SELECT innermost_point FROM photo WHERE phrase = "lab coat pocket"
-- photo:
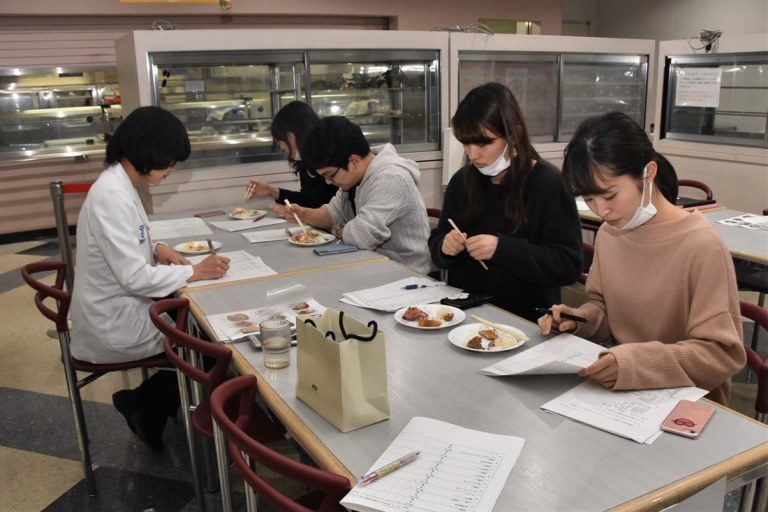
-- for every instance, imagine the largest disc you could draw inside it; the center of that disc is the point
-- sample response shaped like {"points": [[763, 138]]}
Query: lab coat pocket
{"points": [[125, 326]]}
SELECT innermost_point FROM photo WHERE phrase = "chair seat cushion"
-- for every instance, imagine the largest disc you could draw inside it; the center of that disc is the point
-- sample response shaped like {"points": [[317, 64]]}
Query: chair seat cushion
{"points": [[262, 428], [149, 362], [313, 499]]}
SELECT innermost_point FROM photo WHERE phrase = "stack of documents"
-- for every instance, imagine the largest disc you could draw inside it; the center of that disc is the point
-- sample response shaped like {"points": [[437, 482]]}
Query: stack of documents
{"points": [[269, 235], [240, 225], [241, 266], [636, 415], [235, 325], [456, 469], [393, 296], [177, 228], [747, 221], [565, 353]]}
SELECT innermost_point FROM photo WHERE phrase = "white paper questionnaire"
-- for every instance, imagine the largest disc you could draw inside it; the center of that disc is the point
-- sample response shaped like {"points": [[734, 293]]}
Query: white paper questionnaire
{"points": [[269, 235], [457, 470], [241, 225], [177, 228], [632, 414], [241, 266], [393, 296], [564, 353]]}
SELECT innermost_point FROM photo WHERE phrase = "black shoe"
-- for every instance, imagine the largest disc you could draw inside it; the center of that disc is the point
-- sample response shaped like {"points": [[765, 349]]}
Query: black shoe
{"points": [[126, 402], [150, 424]]}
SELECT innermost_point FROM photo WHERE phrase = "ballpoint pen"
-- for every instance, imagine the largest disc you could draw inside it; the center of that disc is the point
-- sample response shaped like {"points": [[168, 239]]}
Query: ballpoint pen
{"points": [[385, 470], [567, 316], [210, 246], [413, 286]]}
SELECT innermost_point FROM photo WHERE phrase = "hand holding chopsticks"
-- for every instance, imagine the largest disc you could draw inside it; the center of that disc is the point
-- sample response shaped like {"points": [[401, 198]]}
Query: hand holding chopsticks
{"points": [[501, 328], [454, 226], [301, 224]]}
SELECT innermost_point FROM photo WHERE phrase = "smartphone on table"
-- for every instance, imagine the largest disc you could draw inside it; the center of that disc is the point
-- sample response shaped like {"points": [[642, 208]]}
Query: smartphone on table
{"points": [[688, 418]]}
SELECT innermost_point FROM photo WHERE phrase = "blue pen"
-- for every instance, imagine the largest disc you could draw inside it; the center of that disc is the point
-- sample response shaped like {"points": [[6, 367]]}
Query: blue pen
{"points": [[410, 287]]}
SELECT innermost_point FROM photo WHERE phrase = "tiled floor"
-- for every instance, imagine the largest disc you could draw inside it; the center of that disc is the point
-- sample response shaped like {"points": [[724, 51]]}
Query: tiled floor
{"points": [[39, 459]]}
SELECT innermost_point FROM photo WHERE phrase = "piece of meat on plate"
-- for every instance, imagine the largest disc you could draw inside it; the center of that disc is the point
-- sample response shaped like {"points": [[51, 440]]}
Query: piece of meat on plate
{"points": [[413, 314]]}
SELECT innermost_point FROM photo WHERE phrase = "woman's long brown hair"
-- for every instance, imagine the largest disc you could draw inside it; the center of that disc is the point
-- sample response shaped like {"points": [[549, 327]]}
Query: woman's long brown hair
{"points": [[492, 108]]}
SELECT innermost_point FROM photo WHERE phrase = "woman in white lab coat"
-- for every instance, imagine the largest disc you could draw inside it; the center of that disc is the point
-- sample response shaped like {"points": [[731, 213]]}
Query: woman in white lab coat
{"points": [[120, 270]]}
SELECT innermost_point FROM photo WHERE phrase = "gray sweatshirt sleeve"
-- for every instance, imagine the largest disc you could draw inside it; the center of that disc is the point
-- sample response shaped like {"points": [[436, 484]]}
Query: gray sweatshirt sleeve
{"points": [[371, 226], [334, 207]]}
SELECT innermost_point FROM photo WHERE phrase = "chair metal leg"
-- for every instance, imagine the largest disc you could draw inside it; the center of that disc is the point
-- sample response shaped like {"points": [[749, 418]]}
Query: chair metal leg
{"points": [[251, 500], [760, 502], [188, 429], [221, 462], [77, 412], [211, 479]]}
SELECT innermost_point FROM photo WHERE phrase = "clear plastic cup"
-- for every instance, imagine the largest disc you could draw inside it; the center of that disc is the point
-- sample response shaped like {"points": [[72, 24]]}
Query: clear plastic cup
{"points": [[275, 337]]}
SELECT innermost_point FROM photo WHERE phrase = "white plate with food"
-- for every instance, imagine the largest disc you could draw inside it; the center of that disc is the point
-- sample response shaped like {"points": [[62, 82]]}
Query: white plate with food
{"points": [[196, 247], [247, 214], [482, 338], [314, 239], [429, 316]]}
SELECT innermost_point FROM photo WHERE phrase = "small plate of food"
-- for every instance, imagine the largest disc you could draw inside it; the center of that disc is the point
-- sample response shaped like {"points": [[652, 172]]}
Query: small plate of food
{"points": [[247, 214], [312, 238], [482, 338], [196, 247], [429, 316]]}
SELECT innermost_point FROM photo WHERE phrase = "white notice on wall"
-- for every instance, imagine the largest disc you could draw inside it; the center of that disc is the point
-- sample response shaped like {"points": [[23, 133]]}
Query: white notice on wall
{"points": [[698, 87]]}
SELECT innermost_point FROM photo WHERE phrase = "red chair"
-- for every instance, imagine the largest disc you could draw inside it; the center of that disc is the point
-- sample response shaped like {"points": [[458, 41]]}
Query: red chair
{"points": [[589, 254], [71, 365], [434, 213], [757, 490], [58, 190], [181, 348], [696, 184], [328, 488]]}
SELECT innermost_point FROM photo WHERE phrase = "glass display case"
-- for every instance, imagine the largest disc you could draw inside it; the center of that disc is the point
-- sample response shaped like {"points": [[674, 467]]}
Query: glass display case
{"points": [[720, 99], [531, 78], [227, 99], [44, 113], [556, 91], [594, 84]]}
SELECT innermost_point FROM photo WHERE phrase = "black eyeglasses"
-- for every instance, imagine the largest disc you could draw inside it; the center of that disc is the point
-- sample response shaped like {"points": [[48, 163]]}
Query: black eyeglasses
{"points": [[327, 176]]}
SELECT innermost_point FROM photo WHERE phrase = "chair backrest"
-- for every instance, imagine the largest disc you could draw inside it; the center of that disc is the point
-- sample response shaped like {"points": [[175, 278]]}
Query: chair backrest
{"points": [[44, 291], [588, 253], [58, 190], [242, 391], [175, 336], [434, 213], [759, 366], [696, 184]]}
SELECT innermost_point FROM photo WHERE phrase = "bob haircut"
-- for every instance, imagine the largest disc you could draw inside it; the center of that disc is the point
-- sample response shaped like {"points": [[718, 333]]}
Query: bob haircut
{"points": [[613, 145], [331, 142], [151, 139], [297, 118], [492, 109]]}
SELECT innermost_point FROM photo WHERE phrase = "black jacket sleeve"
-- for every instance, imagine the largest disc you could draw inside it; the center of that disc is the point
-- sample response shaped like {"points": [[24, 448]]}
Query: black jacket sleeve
{"points": [[315, 192]]}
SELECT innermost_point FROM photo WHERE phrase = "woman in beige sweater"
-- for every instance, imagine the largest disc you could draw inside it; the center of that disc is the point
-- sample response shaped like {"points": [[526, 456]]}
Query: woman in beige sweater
{"points": [[662, 286]]}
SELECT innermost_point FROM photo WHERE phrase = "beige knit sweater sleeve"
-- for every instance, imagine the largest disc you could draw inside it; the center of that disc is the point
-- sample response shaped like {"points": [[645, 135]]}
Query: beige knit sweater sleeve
{"points": [[713, 350]]}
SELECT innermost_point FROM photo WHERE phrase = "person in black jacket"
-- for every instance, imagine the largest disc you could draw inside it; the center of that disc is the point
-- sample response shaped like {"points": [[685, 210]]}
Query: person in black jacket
{"points": [[289, 127], [512, 208]]}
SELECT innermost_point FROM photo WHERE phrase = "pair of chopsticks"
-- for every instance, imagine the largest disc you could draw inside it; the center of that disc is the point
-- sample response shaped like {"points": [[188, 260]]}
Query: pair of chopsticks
{"points": [[454, 226], [249, 191], [301, 224], [500, 327]]}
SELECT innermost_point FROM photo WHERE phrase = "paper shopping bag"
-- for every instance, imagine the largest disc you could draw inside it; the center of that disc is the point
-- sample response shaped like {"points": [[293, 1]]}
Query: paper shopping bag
{"points": [[342, 369]]}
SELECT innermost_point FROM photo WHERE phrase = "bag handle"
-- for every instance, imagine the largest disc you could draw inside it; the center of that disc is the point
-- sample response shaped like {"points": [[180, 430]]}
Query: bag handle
{"points": [[332, 335], [372, 323]]}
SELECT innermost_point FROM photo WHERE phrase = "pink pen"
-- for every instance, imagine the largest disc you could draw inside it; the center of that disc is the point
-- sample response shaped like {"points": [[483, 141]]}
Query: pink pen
{"points": [[385, 470]]}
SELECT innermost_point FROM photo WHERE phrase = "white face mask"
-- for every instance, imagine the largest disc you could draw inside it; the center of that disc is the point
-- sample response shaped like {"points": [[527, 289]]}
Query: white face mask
{"points": [[643, 213], [501, 164]]}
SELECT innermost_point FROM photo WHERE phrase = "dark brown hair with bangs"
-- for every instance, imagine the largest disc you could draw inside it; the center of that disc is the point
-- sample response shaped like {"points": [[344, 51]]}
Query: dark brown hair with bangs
{"points": [[613, 145], [493, 108]]}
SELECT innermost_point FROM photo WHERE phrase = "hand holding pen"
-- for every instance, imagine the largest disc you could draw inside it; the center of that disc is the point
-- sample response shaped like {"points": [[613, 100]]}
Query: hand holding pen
{"points": [[560, 317], [389, 468]]}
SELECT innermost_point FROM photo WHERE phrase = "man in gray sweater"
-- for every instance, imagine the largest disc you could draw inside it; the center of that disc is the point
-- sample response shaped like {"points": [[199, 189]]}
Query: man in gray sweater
{"points": [[377, 206]]}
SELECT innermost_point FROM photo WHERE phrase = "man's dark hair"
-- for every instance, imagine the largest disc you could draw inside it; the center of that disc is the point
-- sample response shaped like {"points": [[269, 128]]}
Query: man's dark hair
{"points": [[151, 139], [331, 142]]}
